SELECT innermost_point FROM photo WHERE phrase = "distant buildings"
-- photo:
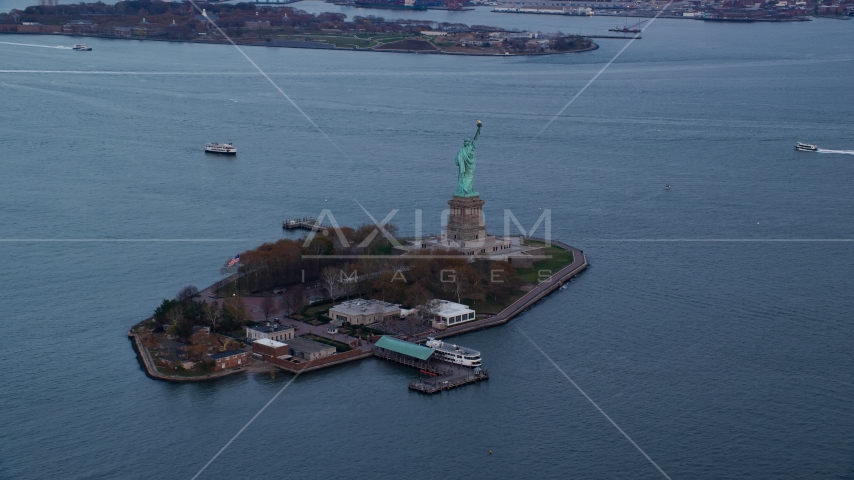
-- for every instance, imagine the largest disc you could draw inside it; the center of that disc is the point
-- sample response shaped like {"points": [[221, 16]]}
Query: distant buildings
{"points": [[48, 3], [363, 312], [256, 24]]}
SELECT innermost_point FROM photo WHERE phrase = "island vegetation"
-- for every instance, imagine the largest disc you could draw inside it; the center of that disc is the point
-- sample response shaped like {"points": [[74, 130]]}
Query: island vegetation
{"points": [[251, 24]]}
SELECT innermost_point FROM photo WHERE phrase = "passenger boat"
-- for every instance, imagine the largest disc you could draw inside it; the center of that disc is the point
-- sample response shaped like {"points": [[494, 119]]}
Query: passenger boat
{"points": [[805, 147], [225, 148], [454, 353], [81, 47]]}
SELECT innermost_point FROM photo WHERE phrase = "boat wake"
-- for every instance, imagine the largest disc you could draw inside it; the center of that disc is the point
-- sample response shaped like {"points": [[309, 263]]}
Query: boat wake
{"points": [[34, 45], [841, 152]]}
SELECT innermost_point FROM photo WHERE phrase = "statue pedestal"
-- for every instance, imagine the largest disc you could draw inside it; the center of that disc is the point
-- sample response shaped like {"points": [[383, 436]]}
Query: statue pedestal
{"points": [[465, 222]]}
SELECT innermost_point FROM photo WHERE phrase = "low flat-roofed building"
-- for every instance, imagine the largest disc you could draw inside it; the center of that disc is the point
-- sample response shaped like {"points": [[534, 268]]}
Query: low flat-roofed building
{"points": [[309, 349], [390, 346], [228, 359], [363, 312], [270, 348], [271, 331], [445, 314]]}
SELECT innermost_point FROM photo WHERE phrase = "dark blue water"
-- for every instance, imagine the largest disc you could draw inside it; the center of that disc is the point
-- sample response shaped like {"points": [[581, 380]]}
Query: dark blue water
{"points": [[720, 359]]}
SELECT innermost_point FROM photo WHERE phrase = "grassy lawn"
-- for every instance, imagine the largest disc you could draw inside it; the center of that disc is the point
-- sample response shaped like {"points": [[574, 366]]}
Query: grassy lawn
{"points": [[339, 347], [315, 309], [560, 258], [340, 41], [490, 305]]}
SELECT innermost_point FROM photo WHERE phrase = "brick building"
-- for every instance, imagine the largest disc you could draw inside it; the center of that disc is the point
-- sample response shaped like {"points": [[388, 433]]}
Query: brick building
{"points": [[229, 359], [270, 348]]}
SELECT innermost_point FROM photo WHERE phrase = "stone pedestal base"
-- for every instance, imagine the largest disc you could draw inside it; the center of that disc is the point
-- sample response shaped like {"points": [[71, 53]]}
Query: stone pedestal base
{"points": [[466, 222]]}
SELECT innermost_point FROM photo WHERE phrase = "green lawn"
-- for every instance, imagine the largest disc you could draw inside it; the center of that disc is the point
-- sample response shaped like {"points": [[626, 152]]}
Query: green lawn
{"points": [[490, 305], [559, 259], [315, 309]]}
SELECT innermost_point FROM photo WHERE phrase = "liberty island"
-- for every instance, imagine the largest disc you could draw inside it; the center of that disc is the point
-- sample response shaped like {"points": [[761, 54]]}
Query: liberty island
{"points": [[222, 338]]}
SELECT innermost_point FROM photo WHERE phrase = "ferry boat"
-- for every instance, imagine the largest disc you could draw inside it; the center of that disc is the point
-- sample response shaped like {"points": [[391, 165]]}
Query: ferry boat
{"points": [[81, 47], [225, 148], [454, 353], [805, 147]]}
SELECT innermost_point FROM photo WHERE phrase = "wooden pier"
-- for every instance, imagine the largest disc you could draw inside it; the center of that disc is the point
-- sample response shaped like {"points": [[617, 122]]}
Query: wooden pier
{"points": [[447, 382], [306, 223]]}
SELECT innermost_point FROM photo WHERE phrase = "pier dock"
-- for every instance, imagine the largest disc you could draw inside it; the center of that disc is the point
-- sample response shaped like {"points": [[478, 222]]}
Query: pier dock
{"points": [[462, 376], [444, 375], [306, 223]]}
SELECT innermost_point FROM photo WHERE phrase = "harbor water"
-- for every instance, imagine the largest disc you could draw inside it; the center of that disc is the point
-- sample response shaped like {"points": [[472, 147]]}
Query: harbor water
{"points": [[714, 325]]}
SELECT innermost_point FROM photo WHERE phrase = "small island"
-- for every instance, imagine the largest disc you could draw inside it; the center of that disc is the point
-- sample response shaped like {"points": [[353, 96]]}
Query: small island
{"points": [[272, 26], [340, 294]]}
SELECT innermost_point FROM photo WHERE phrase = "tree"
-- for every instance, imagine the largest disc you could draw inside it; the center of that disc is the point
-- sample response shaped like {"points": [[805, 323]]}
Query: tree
{"points": [[212, 313], [174, 315], [292, 300], [267, 306], [235, 314], [330, 278], [417, 295], [187, 293]]}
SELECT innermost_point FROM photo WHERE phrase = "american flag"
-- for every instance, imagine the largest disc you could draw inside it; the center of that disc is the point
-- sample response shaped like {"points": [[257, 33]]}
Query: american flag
{"points": [[234, 261]]}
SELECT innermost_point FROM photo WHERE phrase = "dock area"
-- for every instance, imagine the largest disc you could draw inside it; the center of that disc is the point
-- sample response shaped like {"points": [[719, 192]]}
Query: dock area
{"points": [[462, 376], [305, 223], [442, 375]]}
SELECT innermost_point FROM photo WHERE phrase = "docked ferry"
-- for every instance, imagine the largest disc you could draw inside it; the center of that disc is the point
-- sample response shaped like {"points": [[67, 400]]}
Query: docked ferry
{"points": [[82, 48], [805, 147], [454, 353], [225, 148]]}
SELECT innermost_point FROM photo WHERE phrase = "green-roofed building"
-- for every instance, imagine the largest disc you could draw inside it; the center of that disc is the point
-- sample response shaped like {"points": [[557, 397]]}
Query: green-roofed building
{"points": [[401, 351]]}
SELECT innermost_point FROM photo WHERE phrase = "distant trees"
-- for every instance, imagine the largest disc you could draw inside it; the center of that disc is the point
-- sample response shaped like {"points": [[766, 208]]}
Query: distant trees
{"points": [[569, 42], [187, 293]]}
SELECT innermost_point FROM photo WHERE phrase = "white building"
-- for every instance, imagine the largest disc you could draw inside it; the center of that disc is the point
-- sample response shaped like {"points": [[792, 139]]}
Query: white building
{"points": [[270, 332], [363, 312], [444, 313]]}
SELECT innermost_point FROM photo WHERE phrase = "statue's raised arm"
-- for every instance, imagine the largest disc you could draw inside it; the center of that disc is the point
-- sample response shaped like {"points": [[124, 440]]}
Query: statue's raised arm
{"points": [[478, 131]]}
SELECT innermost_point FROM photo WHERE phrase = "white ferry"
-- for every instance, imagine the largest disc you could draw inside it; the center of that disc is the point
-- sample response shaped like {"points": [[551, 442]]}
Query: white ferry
{"points": [[225, 148], [454, 353], [805, 147], [81, 47]]}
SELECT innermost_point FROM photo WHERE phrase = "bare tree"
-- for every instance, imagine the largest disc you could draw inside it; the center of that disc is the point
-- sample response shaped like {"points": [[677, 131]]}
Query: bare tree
{"points": [[267, 306], [212, 313], [430, 309], [330, 278], [292, 300], [175, 314]]}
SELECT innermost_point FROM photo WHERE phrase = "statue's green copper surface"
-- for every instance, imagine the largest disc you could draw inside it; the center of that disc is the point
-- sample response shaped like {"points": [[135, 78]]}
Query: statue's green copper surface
{"points": [[465, 162]]}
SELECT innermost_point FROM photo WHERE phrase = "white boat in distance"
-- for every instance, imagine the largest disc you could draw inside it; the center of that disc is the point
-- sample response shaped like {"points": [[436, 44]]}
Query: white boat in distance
{"points": [[81, 47], [225, 148], [454, 353], [805, 147]]}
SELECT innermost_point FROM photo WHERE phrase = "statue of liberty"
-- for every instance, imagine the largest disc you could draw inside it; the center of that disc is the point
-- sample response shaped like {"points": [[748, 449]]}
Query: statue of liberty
{"points": [[465, 161]]}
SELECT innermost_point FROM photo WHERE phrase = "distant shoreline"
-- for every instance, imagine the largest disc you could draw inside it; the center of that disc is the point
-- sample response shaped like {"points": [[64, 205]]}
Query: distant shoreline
{"points": [[309, 45]]}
